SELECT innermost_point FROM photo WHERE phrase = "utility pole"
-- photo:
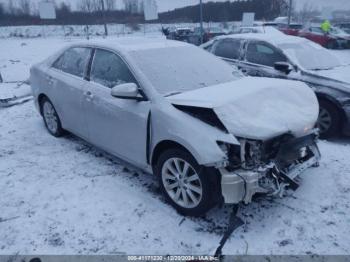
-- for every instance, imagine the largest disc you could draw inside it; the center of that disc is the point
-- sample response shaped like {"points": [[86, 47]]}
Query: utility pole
{"points": [[290, 12], [104, 17], [201, 18]]}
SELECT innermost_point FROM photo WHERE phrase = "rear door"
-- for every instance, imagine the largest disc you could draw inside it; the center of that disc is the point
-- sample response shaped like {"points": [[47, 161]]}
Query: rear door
{"points": [[67, 80], [116, 125], [229, 50], [260, 58]]}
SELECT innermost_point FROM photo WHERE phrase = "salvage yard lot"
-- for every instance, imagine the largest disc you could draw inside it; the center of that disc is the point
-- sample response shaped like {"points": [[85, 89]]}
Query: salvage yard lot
{"points": [[63, 196]]}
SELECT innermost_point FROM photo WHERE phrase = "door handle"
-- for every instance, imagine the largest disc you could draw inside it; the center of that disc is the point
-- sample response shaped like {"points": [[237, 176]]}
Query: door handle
{"points": [[89, 96], [50, 80]]}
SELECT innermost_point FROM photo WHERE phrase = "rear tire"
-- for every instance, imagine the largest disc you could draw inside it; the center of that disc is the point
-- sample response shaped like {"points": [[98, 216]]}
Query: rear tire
{"points": [[190, 188], [329, 120], [51, 118]]}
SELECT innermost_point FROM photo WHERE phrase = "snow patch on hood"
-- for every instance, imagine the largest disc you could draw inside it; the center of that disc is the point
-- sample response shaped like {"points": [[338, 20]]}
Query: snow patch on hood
{"points": [[257, 108], [341, 73]]}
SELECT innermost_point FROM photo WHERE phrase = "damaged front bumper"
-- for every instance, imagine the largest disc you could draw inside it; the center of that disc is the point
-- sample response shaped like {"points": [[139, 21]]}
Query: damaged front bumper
{"points": [[242, 184]]}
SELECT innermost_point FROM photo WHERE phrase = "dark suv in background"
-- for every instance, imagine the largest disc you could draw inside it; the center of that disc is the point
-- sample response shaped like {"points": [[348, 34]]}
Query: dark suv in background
{"points": [[294, 58], [344, 26]]}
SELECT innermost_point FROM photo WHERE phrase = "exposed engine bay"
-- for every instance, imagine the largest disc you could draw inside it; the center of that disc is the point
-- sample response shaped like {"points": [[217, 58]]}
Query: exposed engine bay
{"points": [[268, 167]]}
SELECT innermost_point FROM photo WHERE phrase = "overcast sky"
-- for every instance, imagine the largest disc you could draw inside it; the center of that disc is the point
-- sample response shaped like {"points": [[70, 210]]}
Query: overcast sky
{"points": [[165, 5]]}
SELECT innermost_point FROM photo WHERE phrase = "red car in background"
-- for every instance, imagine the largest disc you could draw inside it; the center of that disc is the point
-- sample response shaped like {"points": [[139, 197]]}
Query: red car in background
{"points": [[292, 29], [331, 40]]}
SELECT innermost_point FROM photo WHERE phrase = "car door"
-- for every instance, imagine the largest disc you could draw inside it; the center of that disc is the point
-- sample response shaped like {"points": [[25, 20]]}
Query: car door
{"points": [[117, 125], [229, 50], [66, 79], [260, 58]]}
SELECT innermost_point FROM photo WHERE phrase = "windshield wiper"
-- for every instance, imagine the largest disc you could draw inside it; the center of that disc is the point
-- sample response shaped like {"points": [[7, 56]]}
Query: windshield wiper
{"points": [[172, 94], [321, 69]]}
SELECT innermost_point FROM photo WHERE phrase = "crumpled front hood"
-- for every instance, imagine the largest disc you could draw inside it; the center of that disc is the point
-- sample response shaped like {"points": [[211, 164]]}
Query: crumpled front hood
{"points": [[257, 108], [341, 73]]}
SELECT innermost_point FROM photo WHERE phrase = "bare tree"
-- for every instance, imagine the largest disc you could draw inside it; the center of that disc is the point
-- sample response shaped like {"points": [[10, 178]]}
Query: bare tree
{"points": [[97, 5], [133, 6], [87, 6], [307, 13], [63, 10], [24, 7], [2, 11], [110, 5], [281, 7], [11, 8]]}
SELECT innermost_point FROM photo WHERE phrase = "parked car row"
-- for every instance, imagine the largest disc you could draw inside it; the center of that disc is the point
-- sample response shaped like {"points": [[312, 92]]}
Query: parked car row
{"points": [[193, 36], [296, 59], [292, 29], [207, 132], [334, 39]]}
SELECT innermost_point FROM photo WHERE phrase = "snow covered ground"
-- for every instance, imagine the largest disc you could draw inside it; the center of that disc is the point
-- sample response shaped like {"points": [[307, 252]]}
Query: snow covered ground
{"points": [[63, 196]]}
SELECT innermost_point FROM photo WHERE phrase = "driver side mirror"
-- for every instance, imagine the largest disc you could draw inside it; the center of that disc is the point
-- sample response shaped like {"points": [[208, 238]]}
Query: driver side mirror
{"points": [[283, 67], [127, 91]]}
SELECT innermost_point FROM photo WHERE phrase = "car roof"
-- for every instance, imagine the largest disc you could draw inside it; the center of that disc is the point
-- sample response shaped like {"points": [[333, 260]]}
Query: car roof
{"points": [[128, 44], [273, 38]]}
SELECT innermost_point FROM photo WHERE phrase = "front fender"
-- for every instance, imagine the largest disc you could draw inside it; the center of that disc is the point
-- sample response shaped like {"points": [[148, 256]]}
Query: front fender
{"points": [[199, 138]]}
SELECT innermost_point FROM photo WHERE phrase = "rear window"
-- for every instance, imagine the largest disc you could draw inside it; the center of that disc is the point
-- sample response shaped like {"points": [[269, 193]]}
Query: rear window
{"points": [[228, 48], [74, 61]]}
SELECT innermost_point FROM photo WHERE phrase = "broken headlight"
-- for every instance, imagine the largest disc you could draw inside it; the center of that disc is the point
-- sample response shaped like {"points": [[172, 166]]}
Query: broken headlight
{"points": [[252, 153], [233, 153]]}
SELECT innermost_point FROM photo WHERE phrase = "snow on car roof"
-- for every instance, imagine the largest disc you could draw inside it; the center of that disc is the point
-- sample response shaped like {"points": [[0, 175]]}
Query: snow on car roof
{"points": [[127, 44], [275, 39]]}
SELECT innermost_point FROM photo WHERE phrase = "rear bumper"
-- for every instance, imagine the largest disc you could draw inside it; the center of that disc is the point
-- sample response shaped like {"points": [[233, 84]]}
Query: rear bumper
{"points": [[241, 185]]}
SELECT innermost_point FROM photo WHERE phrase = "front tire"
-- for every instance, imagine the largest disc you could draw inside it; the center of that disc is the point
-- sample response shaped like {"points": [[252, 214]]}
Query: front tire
{"points": [[328, 120], [190, 188], [51, 118]]}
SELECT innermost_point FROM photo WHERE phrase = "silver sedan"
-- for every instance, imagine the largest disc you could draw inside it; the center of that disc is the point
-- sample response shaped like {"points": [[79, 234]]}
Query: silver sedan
{"points": [[174, 110]]}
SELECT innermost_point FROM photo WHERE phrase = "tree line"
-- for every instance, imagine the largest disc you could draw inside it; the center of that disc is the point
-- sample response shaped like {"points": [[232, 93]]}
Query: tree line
{"points": [[229, 11], [25, 12]]}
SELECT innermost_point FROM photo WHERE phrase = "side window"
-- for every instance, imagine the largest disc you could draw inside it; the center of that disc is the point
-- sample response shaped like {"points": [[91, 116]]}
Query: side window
{"points": [[263, 54], [74, 61], [109, 70], [229, 48]]}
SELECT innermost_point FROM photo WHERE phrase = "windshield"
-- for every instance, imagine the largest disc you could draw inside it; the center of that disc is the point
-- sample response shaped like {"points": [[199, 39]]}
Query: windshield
{"points": [[174, 70], [215, 30], [310, 55], [295, 26], [338, 31]]}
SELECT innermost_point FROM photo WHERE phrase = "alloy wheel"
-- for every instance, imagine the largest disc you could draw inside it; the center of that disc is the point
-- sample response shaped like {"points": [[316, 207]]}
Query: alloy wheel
{"points": [[324, 122], [182, 183], [50, 117]]}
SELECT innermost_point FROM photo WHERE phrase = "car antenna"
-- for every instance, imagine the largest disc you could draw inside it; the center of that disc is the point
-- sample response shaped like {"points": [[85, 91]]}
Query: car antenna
{"points": [[264, 26], [233, 223]]}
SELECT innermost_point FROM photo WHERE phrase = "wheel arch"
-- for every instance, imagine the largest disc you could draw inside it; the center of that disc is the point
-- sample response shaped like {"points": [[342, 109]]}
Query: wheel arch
{"points": [[40, 100], [163, 146], [334, 102]]}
